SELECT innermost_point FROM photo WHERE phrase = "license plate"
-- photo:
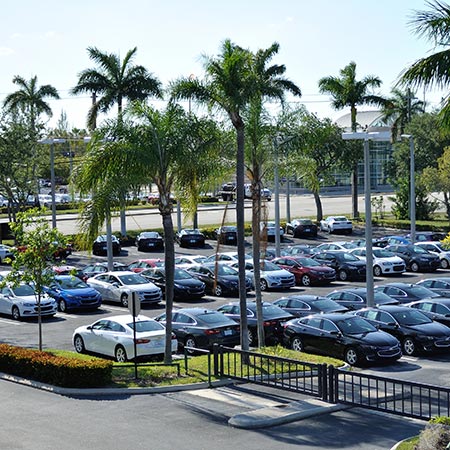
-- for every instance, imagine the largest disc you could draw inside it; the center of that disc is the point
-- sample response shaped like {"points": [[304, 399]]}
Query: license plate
{"points": [[227, 332], [307, 229], [192, 241]]}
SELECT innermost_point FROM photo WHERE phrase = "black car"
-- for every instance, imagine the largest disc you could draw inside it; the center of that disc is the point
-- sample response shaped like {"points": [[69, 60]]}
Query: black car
{"points": [[342, 336], [99, 247], [273, 318], [190, 237], [412, 328], [357, 298], [406, 292], [202, 328], [185, 286], [149, 240], [416, 258], [305, 305], [101, 267], [440, 286], [220, 279], [302, 228], [435, 309], [347, 266], [227, 235]]}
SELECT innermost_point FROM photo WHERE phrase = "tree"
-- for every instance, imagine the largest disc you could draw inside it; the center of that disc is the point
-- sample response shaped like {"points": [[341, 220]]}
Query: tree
{"points": [[33, 262], [433, 70], [347, 91]]}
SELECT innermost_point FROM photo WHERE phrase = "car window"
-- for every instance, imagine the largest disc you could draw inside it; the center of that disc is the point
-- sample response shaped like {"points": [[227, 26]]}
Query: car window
{"points": [[116, 327], [385, 317], [101, 325], [227, 309], [284, 303], [183, 318], [411, 317], [214, 318], [372, 315], [329, 326], [425, 306], [299, 305], [314, 322], [146, 325]]}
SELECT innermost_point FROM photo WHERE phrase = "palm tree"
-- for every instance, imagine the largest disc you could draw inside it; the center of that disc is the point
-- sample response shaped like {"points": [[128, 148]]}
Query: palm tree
{"points": [[433, 70], [347, 91]]}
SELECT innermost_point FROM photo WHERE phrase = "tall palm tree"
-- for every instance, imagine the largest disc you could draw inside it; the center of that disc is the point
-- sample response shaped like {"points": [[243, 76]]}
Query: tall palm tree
{"points": [[347, 91], [433, 70]]}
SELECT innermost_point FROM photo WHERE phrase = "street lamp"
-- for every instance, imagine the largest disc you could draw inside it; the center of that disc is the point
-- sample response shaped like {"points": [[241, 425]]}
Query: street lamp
{"points": [[412, 187], [365, 136]]}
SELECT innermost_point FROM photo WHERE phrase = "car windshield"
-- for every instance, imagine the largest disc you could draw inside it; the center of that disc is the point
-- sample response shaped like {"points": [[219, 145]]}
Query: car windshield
{"points": [[271, 311], [195, 231], [146, 325], [150, 235], [340, 219], [133, 278], [72, 283], [382, 299], [411, 317], [269, 266], [223, 269], [348, 257], [419, 249], [305, 221], [228, 229], [308, 262], [422, 292], [326, 304], [23, 290], [181, 274], [381, 253], [355, 325], [215, 318]]}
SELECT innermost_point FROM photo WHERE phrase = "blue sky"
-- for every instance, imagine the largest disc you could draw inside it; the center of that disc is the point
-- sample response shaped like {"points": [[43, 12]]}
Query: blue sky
{"points": [[317, 38]]}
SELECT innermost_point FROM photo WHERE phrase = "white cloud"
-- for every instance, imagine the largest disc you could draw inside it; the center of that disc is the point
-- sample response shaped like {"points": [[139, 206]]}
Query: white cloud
{"points": [[16, 36], [5, 51], [50, 34]]}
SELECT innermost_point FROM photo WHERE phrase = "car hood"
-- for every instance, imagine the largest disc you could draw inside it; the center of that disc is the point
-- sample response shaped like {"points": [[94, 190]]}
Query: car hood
{"points": [[32, 299], [77, 292], [375, 338], [276, 273], [431, 329], [189, 282]]}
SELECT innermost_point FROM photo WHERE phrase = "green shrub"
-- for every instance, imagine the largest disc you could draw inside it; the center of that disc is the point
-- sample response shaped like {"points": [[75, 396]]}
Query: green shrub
{"points": [[436, 435]]}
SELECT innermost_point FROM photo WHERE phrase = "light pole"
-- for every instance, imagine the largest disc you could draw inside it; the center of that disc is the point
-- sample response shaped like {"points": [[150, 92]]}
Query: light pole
{"points": [[383, 136], [412, 187]]}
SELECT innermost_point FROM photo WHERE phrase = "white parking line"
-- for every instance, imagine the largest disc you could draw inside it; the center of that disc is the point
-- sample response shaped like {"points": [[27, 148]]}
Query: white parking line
{"points": [[10, 321]]}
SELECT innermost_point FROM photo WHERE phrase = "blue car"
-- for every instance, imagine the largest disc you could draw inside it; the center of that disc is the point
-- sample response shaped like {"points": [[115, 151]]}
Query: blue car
{"points": [[72, 293]]}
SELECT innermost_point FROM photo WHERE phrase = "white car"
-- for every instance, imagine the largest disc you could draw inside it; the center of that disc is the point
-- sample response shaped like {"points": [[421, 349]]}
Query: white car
{"points": [[336, 224], [114, 337], [384, 261], [272, 276], [21, 302], [225, 257], [118, 286], [184, 261], [343, 246], [438, 249], [270, 229]]}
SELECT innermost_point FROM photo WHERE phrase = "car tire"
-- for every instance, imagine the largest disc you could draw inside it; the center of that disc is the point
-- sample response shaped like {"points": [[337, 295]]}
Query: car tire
{"points": [[306, 280], [78, 344], [297, 344], [124, 300], [62, 306], [408, 347], [377, 271], [445, 263], [351, 356], [218, 291], [190, 342], [15, 313], [342, 275], [120, 354], [414, 267], [263, 284], [252, 338]]}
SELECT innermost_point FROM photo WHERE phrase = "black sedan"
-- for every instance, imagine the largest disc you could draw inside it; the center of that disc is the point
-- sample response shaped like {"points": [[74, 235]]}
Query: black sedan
{"points": [[149, 240], [185, 286], [305, 305], [190, 238], [219, 279], [227, 235], [412, 328], [417, 259], [99, 247], [435, 309], [273, 318], [406, 292], [347, 266], [302, 228], [202, 328], [440, 286], [341, 336], [357, 298]]}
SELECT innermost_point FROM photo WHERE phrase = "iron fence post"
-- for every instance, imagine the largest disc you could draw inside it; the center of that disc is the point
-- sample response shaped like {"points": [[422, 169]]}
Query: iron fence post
{"points": [[216, 359]]}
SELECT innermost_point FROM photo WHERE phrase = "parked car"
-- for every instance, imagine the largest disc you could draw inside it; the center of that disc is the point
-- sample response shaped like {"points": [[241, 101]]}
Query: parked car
{"points": [[266, 194], [149, 240], [356, 298], [273, 319], [298, 250], [202, 328], [99, 247], [305, 305], [190, 237], [336, 224], [344, 246], [306, 271], [115, 337], [185, 285], [406, 292], [416, 258], [183, 261], [225, 257], [219, 279], [226, 235], [348, 267], [391, 240], [384, 261], [143, 264], [301, 228], [268, 231], [436, 248], [440, 286], [118, 286], [71, 293], [101, 267], [342, 336], [436, 309], [422, 236], [412, 328], [20, 302]]}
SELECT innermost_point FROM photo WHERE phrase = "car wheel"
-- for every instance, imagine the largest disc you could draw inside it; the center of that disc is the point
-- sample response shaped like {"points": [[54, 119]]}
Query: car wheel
{"points": [[414, 267], [124, 300], [444, 263], [351, 356], [120, 354], [408, 347], [218, 291], [377, 271], [342, 275], [190, 342], [15, 313], [78, 343], [252, 339], [263, 284], [297, 344], [62, 306], [306, 280]]}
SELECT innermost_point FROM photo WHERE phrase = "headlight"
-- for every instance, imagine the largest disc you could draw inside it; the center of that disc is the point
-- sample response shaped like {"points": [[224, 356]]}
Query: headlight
{"points": [[387, 263], [180, 286], [29, 305], [275, 279]]}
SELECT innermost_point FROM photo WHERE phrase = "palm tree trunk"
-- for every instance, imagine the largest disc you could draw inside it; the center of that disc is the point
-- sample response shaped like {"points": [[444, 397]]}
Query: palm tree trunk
{"points": [[319, 208], [109, 246], [355, 191]]}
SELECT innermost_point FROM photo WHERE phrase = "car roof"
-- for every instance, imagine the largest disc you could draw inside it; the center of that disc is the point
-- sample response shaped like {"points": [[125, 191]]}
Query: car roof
{"points": [[303, 297], [119, 273], [443, 300], [331, 316], [126, 318]]}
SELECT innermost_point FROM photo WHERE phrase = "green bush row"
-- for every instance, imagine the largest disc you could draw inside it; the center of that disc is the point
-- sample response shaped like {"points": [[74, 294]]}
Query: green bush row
{"points": [[405, 225], [56, 370]]}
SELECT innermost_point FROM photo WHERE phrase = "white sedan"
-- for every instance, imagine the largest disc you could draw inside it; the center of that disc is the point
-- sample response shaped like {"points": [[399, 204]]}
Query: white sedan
{"points": [[384, 261], [336, 224], [21, 302], [114, 337], [118, 286]]}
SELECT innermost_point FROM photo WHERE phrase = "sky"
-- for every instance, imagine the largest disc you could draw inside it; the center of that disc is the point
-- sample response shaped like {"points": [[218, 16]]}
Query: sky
{"points": [[49, 39]]}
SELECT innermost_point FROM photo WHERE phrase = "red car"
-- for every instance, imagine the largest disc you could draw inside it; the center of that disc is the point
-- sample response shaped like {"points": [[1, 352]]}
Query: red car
{"points": [[306, 270], [143, 264]]}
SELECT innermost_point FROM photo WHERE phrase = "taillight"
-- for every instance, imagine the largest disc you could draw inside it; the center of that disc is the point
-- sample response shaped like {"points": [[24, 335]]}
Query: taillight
{"points": [[142, 341], [209, 332], [269, 323]]}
